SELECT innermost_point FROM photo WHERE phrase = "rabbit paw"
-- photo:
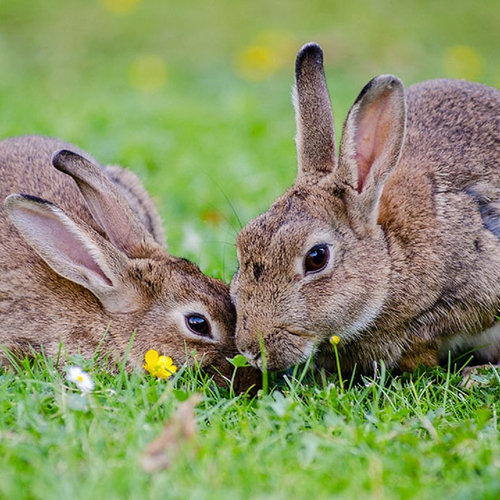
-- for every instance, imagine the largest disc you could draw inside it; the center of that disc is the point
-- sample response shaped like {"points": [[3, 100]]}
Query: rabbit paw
{"points": [[475, 376]]}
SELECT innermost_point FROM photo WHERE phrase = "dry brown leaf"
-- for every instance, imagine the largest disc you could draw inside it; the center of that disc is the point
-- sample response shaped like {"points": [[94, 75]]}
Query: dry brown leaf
{"points": [[178, 431]]}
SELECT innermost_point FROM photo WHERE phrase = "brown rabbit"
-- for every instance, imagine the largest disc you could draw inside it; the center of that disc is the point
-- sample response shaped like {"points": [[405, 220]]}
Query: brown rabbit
{"points": [[71, 270], [394, 245]]}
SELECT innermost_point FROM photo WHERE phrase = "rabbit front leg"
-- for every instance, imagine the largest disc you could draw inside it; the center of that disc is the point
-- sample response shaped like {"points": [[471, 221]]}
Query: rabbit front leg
{"points": [[422, 351], [427, 354]]}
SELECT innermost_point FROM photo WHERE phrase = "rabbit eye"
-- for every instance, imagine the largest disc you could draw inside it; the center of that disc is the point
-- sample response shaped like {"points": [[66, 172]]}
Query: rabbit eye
{"points": [[317, 259], [198, 324]]}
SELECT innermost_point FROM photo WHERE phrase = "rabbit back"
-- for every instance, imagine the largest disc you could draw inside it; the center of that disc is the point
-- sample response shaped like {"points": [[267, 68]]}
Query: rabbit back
{"points": [[26, 167], [453, 132], [440, 212], [36, 304]]}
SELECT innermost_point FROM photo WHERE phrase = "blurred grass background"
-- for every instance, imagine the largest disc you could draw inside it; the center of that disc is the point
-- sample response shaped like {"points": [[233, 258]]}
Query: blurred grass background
{"points": [[195, 96]]}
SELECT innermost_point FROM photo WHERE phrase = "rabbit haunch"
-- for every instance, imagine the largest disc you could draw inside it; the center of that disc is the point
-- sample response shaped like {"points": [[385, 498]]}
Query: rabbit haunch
{"points": [[83, 250], [406, 220]]}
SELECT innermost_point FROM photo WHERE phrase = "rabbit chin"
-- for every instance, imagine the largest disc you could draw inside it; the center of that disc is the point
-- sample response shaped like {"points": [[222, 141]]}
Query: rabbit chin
{"points": [[281, 349], [362, 323]]}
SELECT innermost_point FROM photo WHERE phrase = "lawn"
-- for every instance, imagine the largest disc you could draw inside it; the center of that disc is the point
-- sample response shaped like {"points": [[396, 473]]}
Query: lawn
{"points": [[195, 98]]}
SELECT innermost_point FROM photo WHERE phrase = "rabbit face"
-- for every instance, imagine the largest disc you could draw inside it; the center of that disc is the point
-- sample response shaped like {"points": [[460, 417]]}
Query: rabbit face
{"points": [[304, 276], [188, 314], [317, 264], [190, 317]]}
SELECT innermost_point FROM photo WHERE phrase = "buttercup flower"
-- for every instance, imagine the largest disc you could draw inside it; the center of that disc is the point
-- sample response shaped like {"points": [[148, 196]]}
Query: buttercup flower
{"points": [[159, 366], [81, 379], [334, 340]]}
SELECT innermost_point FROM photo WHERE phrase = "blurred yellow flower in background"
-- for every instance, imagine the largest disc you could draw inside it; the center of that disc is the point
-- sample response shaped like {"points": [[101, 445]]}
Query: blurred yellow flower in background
{"points": [[269, 52], [256, 63], [120, 6], [463, 62], [148, 73]]}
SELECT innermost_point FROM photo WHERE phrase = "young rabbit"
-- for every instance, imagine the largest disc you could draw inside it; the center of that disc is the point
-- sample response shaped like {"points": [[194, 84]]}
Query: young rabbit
{"points": [[393, 246], [85, 262]]}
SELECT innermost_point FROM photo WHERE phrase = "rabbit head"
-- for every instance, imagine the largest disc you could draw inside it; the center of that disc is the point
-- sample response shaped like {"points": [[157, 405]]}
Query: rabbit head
{"points": [[121, 277], [316, 264]]}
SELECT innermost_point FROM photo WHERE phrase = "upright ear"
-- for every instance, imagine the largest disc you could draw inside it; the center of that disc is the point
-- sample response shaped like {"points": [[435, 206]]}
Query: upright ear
{"points": [[108, 206], [371, 145], [313, 114], [75, 251]]}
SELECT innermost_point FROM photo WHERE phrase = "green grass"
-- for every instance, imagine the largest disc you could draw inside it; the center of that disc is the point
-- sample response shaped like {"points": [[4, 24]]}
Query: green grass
{"points": [[418, 436], [213, 143]]}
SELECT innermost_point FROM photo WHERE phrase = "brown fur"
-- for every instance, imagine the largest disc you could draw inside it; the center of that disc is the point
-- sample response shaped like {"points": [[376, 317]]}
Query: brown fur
{"points": [[145, 290], [411, 220], [130, 187]]}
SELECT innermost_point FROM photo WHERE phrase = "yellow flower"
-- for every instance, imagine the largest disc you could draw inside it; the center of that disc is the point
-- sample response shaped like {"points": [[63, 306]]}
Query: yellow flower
{"points": [[256, 63], [159, 366], [270, 51], [462, 61], [120, 6], [334, 340], [148, 73]]}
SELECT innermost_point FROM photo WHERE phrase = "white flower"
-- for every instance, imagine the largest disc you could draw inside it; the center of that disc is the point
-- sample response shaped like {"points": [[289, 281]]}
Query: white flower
{"points": [[82, 379]]}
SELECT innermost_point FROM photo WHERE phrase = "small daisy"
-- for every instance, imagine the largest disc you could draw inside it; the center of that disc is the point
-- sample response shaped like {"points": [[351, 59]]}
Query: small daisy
{"points": [[81, 379]]}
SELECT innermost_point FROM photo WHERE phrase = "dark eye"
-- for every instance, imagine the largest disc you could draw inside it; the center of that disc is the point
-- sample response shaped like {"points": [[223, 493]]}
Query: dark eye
{"points": [[198, 324], [317, 259]]}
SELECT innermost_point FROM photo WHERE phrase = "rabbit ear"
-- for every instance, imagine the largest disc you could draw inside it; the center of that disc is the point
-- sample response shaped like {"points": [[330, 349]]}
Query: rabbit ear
{"points": [[107, 205], [73, 250], [129, 185], [372, 140], [313, 113]]}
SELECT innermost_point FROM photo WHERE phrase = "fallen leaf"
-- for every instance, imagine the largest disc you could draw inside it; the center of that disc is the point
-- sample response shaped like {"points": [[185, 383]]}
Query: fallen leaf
{"points": [[178, 431]]}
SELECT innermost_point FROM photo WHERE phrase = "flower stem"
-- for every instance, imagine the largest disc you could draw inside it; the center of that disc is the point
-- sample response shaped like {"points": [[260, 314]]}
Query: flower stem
{"points": [[341, 380]]}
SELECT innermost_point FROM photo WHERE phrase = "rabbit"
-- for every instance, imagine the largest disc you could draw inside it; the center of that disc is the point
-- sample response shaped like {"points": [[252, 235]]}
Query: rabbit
{"points": [[131, 188], [87, 263], [393, 246]]}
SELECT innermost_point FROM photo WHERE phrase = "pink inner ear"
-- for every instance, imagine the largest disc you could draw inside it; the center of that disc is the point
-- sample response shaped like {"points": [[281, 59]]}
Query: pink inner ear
{"points": [[63, 245], [371, 135]]}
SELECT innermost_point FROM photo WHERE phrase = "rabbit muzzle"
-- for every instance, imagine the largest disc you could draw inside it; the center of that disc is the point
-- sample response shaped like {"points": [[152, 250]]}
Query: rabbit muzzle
{"points": [[276, 348]]}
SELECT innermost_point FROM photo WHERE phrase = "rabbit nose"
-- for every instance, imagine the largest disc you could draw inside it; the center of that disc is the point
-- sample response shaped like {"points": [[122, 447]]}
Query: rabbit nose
{"points": [[249, 349], [247, 345], [253, 358], [250, 356]]}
